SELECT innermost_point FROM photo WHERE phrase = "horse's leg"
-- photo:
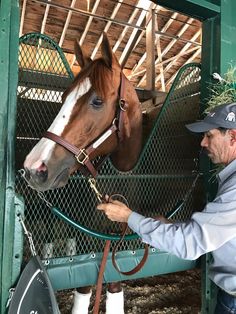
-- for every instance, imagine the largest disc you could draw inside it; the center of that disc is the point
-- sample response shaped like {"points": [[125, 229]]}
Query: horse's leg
{"points": [[82, 297], [115, 298]]}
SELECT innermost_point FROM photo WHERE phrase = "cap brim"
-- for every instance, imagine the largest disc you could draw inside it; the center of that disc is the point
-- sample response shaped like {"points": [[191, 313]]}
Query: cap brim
{"points": [[200, 127]]}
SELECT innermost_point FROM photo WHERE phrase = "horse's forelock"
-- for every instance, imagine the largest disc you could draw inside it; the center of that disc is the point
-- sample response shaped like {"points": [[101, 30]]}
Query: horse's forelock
{"points": [[100, 76]]}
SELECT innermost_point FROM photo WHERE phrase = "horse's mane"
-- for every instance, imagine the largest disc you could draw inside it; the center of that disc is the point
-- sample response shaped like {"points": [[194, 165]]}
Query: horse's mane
{"points": [[99, 74]]}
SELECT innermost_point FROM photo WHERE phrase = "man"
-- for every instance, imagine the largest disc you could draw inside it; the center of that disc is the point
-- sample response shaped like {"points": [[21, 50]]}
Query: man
{"points": [[213, 229]]}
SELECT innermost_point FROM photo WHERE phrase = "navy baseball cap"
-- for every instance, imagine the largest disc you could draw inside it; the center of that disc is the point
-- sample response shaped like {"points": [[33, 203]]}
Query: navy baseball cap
{"points": [[222, 116]]}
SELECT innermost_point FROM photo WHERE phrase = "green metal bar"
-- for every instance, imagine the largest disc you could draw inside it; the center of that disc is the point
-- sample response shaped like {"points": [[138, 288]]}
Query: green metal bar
{"points": [[201, 9], [4, 86], [103, 236], [4, 64], [165, 105], [210, 55], [91, 232], [44, 37], [135, 177], [228, 38], [210, 64], [9, 25], [209, 289]]}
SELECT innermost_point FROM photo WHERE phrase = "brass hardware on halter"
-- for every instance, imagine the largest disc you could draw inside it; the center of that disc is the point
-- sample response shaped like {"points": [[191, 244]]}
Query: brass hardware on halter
{"points": [[92, 183], [122, 104], [85, 156]]}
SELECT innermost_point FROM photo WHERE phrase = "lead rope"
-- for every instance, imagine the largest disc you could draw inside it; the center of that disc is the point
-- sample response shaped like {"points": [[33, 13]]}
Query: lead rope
{"points": [[92, 183]]}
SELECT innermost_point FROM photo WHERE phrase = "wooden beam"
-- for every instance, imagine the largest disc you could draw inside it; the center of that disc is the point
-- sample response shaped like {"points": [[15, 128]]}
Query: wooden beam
{"points": [[131, 42], [66, 23], [143, 58], [45, 18], [163, 62], [158, 44], [42, 80], [191, 59], [194, 37], [170, 45], [108, 24], [86, 13], [90, 19], [150, 49], [22, 19], [122, 35]]}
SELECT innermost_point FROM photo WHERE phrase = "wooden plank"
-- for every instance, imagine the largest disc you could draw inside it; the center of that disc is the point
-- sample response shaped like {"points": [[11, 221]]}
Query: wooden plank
{"points": [[33, 79]]}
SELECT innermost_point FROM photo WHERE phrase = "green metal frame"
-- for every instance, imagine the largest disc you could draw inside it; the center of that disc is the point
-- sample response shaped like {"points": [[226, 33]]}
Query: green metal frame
{"points": [[44, 37], [9, 28], [200, 9]]}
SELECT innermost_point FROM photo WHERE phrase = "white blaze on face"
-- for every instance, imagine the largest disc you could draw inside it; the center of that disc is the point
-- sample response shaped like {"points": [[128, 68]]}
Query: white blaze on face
{"points": [[64, 114], [46, 146]]}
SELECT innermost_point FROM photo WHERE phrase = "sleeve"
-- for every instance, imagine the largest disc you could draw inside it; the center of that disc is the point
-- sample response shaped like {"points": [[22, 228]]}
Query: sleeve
{"points": [[205, 232]]}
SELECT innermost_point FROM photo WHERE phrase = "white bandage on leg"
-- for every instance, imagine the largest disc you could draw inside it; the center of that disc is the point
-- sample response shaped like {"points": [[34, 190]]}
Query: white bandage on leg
{"points": [[115, 303], [81, 303]]}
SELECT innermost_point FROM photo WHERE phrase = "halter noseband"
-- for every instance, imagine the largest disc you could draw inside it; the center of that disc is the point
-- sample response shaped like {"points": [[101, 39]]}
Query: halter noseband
{"points": [[82, 155]]}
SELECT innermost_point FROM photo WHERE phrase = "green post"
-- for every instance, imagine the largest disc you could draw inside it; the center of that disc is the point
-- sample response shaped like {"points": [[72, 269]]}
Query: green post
{"points": [[218, 53], [9, 33], [228, 38]]}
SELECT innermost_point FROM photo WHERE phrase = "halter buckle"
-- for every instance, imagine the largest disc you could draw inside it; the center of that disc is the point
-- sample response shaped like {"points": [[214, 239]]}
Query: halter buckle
{"points": [[82, 153]]}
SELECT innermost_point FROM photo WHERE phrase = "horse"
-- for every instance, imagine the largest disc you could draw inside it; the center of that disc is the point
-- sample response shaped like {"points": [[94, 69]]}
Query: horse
{"points": [[100, 116]]}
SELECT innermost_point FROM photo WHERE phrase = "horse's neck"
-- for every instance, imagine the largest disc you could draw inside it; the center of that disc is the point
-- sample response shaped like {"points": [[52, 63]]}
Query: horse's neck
{"points": [[126, 156]]}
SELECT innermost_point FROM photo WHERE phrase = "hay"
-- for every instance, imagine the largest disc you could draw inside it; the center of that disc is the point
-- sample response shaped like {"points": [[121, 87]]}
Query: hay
{"points": [[224, 91]]}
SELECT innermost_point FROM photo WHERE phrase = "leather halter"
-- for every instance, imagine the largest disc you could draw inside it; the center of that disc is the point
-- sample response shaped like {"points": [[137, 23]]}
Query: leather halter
{"points": [[82, 155]]}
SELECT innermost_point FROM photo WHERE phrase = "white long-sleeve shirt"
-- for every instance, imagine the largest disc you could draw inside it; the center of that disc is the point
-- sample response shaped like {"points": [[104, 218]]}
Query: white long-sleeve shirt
{"points": [[212, 230]]}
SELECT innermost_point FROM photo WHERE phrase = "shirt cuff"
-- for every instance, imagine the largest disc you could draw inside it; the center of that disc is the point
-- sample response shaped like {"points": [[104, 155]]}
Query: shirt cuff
{"points": [[134, 221]]}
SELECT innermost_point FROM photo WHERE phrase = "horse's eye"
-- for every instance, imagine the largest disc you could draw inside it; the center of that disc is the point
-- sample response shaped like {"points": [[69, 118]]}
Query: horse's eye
{"points": [[96, 102]]}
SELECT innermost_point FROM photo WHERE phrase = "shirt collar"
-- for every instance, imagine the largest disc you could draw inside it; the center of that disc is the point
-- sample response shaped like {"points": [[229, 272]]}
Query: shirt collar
{"points": [[227, 171]]}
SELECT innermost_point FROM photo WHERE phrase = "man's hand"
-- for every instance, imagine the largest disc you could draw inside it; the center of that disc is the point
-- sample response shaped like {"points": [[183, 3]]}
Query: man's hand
{"points": [[115, 210]]}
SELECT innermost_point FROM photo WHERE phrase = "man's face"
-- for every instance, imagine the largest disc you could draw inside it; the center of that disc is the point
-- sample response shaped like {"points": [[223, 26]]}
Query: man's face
{"points": [[217, 145]]}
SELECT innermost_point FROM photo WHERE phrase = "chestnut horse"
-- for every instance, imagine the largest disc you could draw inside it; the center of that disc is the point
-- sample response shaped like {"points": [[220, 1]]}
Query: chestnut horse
{"points": [[101, 115]]}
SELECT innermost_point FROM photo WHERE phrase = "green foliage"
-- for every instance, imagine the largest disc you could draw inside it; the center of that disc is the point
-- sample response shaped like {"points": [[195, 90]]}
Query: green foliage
{"points": [[224, 91]]}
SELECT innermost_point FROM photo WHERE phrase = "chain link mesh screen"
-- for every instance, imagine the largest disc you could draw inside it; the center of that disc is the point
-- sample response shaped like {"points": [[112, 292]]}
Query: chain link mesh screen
{"points": [[162, 177]]}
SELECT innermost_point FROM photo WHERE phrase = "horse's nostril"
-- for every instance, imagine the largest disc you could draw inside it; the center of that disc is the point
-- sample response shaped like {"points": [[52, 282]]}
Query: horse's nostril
{"points": [[42, 175], [42, 172]]}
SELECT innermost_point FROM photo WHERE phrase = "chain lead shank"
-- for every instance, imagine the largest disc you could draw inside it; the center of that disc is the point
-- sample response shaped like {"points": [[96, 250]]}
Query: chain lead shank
{"points": [[92, 183]]}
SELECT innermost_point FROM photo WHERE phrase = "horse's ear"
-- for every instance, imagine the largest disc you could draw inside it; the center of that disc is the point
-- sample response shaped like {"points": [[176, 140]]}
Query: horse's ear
{"points": [[81, 56], [107, 53]]}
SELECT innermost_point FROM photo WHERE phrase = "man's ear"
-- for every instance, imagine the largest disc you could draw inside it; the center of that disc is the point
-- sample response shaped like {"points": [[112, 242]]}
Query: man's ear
{"points": [[232, 134]]}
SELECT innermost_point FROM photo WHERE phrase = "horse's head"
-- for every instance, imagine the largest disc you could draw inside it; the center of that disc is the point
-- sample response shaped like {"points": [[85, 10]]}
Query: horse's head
{"points": [[90, 107]]}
